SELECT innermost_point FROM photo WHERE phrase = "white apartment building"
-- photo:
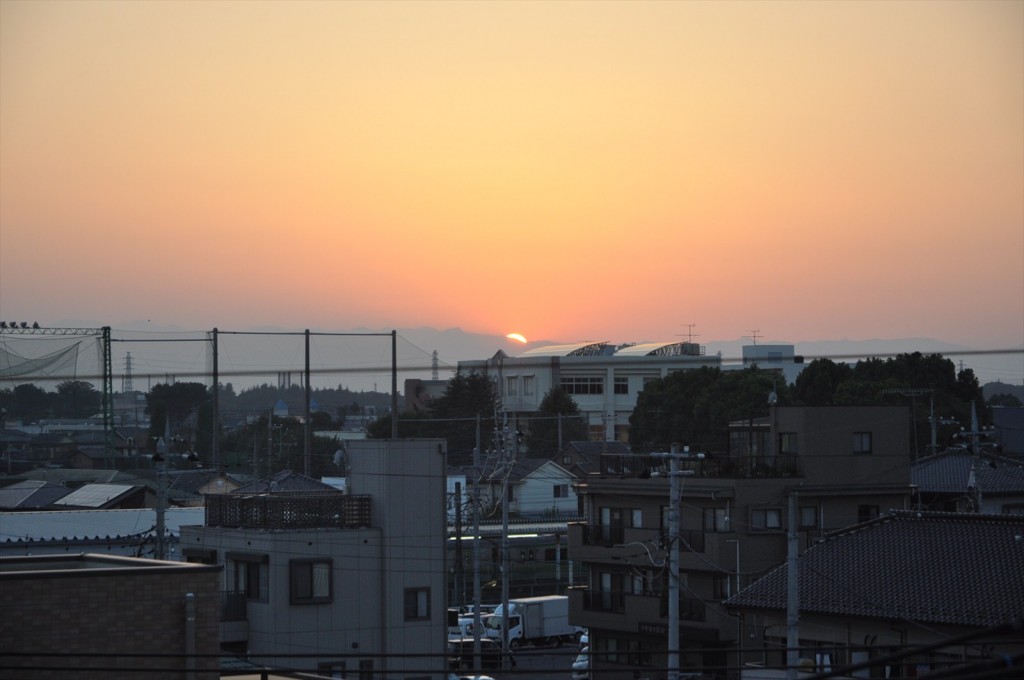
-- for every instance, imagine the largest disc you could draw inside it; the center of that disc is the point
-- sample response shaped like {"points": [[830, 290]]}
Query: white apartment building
{"points": [[354, 583], [602, 379]]}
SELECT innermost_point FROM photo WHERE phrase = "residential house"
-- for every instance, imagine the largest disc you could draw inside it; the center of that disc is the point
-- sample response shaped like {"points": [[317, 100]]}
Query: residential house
{"points": [[353, 582], [96, 617], [957, 480], [907, 593], [835, 466]]}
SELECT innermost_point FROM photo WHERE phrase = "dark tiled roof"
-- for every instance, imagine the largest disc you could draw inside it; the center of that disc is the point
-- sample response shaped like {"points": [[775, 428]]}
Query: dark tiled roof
{"points": [[286, 480], [595, 449], [952, 568], [950, 472]]}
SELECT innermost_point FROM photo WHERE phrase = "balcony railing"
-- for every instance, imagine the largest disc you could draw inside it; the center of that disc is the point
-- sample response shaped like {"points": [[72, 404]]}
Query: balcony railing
{"points": [[288, 511], [232, 606], [604, 600], [720, 466], [609, 535], [614, 601]]}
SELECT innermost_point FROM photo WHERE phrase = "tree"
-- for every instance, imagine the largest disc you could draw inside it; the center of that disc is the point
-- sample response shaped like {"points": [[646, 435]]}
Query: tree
{"points": [[29, 403], [1004, 401], [452, 416], [77, 399], [558, 421], [170, 405], [695, 407], [817, 383]]}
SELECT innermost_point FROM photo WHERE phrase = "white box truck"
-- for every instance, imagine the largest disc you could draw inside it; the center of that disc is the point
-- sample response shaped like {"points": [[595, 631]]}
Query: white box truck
{"points": [[533, 621]]}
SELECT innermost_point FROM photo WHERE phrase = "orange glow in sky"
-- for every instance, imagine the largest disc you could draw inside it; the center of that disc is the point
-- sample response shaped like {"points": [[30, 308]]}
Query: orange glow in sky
{"points": [[582, 170]]}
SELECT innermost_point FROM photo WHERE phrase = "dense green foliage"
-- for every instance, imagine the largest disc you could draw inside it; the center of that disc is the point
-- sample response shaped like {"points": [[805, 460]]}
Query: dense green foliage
{"points": [[695, 407], [557, 422], [73, 399], [453, 416]]}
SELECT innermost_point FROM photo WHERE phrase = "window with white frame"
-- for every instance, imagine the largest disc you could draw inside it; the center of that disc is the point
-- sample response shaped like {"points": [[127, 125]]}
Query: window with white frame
{"points": [[529, 385], [621, 385], [582, 385], [512, 386], [560, 490]]}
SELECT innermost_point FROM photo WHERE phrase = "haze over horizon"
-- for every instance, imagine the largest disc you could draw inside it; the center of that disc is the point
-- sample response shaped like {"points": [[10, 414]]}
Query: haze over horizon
{"points": [[567, 171]]}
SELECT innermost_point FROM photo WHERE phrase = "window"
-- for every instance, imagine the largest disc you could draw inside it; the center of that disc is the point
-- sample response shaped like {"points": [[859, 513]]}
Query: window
{"points": [[621, 386], [331, 669], [366, 669], [529, 386], [787, 443], [866, 513], [862, 442], [309, 581], [808, 517], [716, 519], [561, 490], [247, 575], [766, 518], [582, 385], [417, 604], [511, 386]]}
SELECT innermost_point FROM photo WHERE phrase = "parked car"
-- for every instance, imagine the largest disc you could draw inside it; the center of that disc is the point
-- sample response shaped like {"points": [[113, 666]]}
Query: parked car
{"points": [[583, 639], [460, 654], [581, 666]]}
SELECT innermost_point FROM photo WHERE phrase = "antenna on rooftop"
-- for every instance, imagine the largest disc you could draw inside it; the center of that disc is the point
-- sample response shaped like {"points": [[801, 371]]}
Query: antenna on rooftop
{"points": [[753, 334], [689, 332]]}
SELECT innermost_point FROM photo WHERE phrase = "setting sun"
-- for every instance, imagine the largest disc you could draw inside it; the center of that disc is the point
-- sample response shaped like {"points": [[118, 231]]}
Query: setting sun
{"points": [[516, 336]]}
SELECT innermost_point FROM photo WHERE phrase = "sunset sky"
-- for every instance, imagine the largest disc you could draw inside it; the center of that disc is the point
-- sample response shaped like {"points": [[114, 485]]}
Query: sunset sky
{"points": [[565, 170]]}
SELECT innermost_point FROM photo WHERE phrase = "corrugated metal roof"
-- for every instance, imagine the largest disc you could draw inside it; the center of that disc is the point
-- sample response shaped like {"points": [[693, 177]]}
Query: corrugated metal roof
{"points": [[644, 349], [578, 348], [56, 525]]}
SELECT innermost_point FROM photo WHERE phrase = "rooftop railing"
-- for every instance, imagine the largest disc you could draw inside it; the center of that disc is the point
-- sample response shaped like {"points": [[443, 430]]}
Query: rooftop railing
{"points": [[288, 511]]}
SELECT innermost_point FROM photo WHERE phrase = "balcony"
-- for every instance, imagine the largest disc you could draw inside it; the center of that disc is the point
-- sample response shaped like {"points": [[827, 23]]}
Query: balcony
{"points": [[234, 617], [720, 466], [618, 610], [605, 543], [288, 511]]}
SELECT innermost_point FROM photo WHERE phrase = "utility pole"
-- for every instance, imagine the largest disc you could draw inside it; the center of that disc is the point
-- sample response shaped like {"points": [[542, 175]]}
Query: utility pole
{"points": [[674, 492], [792, 595], [476, 549]]}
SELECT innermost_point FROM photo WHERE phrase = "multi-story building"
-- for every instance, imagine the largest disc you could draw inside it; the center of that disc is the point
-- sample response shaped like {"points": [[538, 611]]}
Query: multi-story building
{"points": [[839, 465], [602, 379], [337, 582]]}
